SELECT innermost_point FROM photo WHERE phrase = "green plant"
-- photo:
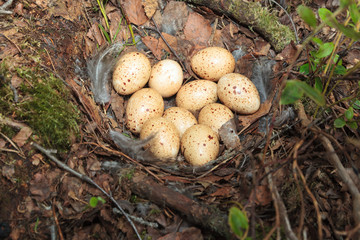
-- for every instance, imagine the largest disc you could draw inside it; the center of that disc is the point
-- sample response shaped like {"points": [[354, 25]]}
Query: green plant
{"points": [[238, 222], [324, 66], [94, 201]]}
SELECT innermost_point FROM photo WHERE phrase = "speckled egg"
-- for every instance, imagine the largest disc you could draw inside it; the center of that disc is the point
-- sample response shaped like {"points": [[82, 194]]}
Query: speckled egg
{"points": [[199, 145], [166, 77], [181, 118], [215, 115], [196, 94], [238, 93], [143, 105], [131, 73], [166, 143], [212, 63]]}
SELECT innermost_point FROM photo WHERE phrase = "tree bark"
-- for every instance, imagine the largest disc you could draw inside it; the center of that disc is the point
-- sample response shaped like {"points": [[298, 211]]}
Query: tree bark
{"points": [[253, 15], [205, 216]]}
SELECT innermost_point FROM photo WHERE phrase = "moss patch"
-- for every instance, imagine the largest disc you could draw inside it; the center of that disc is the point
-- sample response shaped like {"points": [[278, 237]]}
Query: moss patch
{"points": [[44, 104]]}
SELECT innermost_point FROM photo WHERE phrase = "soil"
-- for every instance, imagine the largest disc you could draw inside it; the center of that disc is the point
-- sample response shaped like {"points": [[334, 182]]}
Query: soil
{"points": [[284, 176]]}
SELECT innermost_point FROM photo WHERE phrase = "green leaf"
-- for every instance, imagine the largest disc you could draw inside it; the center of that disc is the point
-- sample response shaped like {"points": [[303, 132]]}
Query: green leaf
{"points": [[354, 13], [291, 93], [101, 200], [352, 125], [105, 33], [308, 15], [356, 104], [295, 89], [325, 50], [339, 123], [326, 16], [93, 202], [304, 69], [347, 31], [345, 3], [238, 221], [349, 114], [317, 41], [340, 70], [318, 84]]}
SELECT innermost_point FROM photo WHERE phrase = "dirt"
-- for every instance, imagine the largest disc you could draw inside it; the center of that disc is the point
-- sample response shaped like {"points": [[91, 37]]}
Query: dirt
{"points": [[40, 199]]}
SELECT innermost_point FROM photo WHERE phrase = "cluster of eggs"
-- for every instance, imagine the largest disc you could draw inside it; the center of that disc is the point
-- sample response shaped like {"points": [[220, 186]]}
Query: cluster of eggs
{"points": [[177, 127]]}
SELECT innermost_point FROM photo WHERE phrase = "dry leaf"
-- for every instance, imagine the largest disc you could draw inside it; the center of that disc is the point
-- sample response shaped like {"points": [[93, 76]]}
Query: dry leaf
{"points": [[197, 29], [135, 11], [150, 7], [154, 46], [171, 40], [22, 136], [262, 195], [36, 159]]}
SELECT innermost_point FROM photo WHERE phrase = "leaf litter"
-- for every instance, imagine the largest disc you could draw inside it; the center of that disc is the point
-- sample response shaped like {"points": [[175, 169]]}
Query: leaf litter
{"points": [[186, 31]]}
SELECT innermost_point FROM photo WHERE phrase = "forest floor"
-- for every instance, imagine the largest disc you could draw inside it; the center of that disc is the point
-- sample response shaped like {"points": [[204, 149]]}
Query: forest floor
{"points": [[294, 176]]}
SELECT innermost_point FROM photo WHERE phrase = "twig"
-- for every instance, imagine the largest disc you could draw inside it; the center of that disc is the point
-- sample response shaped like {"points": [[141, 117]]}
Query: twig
{"points": [[4, 6], [292, 22], [157, 30], [61, 236], [11, 42], [335, 160], [278, 202], [86, 179]]}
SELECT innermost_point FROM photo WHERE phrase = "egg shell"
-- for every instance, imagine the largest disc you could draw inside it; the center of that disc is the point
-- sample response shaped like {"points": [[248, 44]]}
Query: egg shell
{"points": [[196, 94], [166, 143], [143, 105], [238, 93], [212, 63], [166, 77], [215, 115], [131, 73], [181, 118], [199, 145]]}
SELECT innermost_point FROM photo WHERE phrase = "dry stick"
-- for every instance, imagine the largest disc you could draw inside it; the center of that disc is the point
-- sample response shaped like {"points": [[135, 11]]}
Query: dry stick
{"points": [[316, 205], [334, 159], [61, 236], [86, 179], [302, 210]]}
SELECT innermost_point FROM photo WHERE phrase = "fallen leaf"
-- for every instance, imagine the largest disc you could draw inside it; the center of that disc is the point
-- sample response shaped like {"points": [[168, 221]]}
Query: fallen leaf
{"points": [[174, 17], [150, 7], [223, 192], [262, 195], [8, 171], [39, 187], [135, 11], [154, 46], [262, 47], [247, 120], [197, 29], [171, 40], [36, 159], [67, 9], [287, 54], [22, 136]]}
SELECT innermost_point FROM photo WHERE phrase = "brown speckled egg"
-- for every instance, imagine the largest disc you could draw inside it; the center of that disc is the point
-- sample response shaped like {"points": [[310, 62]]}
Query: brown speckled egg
{"points": [[238, 93], [199, 145], [212, 63], [131, 73], [181, 118], [166, 143], [166, 77], [196, 94], [143, 105], [215, 115]]}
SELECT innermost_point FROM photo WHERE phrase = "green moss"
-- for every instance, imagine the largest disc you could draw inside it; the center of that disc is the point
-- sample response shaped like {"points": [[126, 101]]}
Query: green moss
{"points": [[44, 104], [281, 33]]}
